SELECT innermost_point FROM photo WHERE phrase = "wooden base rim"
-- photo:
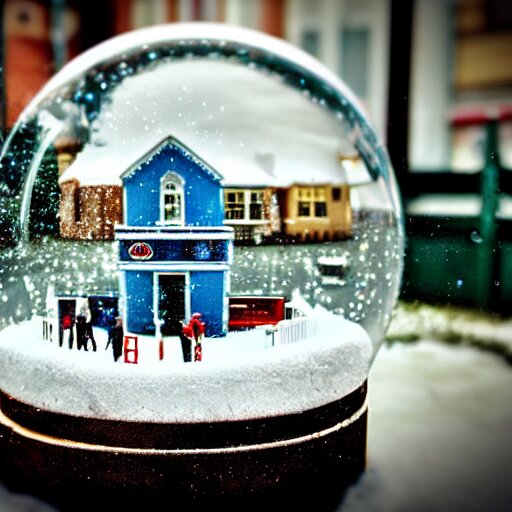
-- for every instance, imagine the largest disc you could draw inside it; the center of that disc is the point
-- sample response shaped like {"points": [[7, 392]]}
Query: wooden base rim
{"points": [[263, 459]]}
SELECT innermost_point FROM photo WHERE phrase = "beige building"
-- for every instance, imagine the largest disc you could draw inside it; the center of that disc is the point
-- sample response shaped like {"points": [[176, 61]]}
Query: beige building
{"points": [[318, 213], [303, 212]]}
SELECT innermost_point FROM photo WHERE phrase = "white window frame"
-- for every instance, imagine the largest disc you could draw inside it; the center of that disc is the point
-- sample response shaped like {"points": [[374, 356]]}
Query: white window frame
{"points": [[176, 180], [247, 193]]}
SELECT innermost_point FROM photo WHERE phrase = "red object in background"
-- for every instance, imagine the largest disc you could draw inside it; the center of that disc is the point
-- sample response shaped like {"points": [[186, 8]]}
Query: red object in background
{"points": [[131, 349], [481, 115], [30, 71], [247, 312]]}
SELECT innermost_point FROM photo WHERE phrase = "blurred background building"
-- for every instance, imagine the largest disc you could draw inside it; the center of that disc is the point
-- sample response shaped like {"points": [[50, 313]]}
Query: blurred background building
{"points": [[434, 77]]}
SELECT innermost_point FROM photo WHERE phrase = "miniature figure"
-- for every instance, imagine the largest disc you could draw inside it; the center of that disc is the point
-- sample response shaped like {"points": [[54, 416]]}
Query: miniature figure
{"points": [[195, 332], [115, 338]]}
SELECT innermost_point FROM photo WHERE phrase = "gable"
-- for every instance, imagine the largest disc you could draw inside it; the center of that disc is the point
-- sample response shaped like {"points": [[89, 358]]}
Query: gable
{"points": [[184, 160], [198, 201]]}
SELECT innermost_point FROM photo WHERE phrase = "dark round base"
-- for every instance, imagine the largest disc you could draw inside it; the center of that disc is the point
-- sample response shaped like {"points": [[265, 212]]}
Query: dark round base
{"points": [[305, 460]]}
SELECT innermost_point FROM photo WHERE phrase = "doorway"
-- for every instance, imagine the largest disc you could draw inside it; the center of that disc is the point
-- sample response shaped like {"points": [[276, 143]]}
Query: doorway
{"points": [[171, 302]]}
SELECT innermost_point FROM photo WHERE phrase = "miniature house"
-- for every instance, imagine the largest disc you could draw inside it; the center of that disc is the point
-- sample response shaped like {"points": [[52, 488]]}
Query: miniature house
{"points": [[319, 212], [249, 212], [174, 252]]}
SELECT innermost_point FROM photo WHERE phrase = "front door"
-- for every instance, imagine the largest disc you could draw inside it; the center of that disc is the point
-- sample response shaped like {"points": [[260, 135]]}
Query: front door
{"points": [[171, 302]]}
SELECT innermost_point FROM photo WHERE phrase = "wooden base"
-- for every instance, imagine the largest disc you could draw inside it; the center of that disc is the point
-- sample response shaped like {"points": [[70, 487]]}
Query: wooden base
{"points": [[76, 463]]}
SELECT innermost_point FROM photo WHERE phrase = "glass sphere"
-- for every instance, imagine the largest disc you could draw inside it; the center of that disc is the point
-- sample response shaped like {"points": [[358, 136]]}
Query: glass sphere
{"points": [[195, 171]]}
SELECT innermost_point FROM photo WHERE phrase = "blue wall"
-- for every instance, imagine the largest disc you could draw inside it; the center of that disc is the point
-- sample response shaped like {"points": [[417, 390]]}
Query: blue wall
{"points": [[203, 207], [203, 198], [207, 298], [139, 302]]}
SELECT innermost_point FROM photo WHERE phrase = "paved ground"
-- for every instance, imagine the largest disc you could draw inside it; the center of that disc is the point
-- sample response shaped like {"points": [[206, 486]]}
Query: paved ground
{"points": [[439, 432]]}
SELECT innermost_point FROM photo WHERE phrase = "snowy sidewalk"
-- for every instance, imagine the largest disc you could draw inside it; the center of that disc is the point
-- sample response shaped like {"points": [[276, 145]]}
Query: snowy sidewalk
{"points": [[439, 432], [413, 322]]}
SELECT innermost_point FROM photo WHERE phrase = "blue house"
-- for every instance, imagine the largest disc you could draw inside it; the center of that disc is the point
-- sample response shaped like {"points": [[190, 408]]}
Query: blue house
{"points": [[174, 252]]}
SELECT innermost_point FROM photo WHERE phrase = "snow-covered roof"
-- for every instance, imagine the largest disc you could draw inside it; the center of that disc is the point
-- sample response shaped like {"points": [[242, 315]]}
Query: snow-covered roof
{"points": [[250, 126], [170, 142], [119, 47]]}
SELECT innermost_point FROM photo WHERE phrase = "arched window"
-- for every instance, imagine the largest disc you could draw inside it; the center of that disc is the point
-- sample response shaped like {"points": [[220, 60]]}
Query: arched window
{"points": [[171, 199]]}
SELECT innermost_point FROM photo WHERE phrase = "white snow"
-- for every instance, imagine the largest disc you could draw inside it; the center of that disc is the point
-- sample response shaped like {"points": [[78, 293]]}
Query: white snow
{"points": [[438, 434], [229, 115], [116, 47], [238, 378], [439, 431]]}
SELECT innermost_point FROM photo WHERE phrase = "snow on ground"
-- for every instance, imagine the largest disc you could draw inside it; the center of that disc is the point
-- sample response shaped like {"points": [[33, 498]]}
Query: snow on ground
{"points": [[439, 432], [240, 376], [417, 321], [438, 436]]}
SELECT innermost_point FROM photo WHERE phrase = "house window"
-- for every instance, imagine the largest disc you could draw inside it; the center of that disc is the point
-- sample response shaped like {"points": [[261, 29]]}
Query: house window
{"points": [[355, 54], [256, 205], [336, 193], [320, 202], [243, 204], [304, 209], [310, 41], [312, 202], [320, 209], [172, 199], [234, 204]]}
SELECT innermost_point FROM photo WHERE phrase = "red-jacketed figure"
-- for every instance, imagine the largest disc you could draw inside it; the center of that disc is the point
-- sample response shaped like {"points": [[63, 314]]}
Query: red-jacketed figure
{"points": [[195, 329]]}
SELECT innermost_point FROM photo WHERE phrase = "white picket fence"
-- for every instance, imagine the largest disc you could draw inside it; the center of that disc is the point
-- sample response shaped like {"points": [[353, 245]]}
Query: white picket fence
{"points": [[296, 329]]}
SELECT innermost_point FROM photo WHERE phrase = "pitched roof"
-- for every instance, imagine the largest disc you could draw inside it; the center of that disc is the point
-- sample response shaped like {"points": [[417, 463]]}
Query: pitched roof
{"points": [[171, 142], [250, 126]]}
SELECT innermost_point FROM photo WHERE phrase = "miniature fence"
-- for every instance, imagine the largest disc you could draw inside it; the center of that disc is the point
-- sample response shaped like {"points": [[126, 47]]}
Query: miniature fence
{"points": [[50, 329], [296, 329]]}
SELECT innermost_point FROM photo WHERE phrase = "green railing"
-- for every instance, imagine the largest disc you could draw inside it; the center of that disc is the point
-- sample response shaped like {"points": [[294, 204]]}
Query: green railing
{"points": [[462, 259]]}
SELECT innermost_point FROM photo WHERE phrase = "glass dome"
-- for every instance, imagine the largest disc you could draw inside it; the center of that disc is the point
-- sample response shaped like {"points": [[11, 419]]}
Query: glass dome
{"points": [[198, 168]]}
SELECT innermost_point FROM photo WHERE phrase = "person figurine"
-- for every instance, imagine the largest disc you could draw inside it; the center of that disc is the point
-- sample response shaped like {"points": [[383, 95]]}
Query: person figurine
{"points": [[115, 337], [81, 337], [195, 329], [67, 325], [89, 335], [185, 334]]}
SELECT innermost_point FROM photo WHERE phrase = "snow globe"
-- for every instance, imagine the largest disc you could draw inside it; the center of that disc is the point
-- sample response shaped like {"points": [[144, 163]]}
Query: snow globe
{"points": [[201, 250]]}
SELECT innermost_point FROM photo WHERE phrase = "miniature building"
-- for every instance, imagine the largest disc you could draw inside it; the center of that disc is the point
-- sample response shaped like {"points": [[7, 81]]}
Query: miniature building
{"points": [[318, 213], [89, 213], [174, 252], [249, 212], [305, 212]]}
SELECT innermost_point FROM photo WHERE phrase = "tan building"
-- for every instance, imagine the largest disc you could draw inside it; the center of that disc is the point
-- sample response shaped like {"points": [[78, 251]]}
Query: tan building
{"points": [[318, 213], [303, 212]]}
